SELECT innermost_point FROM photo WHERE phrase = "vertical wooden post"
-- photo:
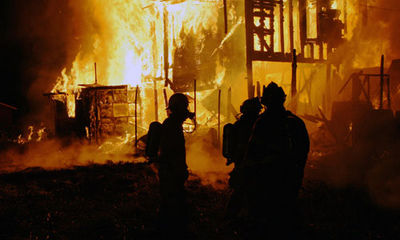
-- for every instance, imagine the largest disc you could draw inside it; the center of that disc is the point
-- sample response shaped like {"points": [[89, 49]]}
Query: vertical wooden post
{"points": [[291, 28], [136, 121], [155, 100], [328, 86], [95, 73], [388, 93], [382, 81], [228, 104], [368, 88], [225, 17], [294, 75], [166, 61], [345, 16], [219, 117], [249, 45], [165, 98], [195, 98], [281, 27], [258, 89], [312, 50], [293, 89]]}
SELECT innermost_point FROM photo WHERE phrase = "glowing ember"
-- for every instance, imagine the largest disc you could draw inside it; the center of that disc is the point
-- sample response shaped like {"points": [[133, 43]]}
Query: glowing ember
{"points": [[31, 134]]}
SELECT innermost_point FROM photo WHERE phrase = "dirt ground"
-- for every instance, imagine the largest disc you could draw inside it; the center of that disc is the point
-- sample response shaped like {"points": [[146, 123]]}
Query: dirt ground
{"points": [[120, 201]]}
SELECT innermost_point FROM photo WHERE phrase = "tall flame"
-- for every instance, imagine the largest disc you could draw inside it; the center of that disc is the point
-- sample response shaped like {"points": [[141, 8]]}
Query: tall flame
{"points": [[126, 41]]}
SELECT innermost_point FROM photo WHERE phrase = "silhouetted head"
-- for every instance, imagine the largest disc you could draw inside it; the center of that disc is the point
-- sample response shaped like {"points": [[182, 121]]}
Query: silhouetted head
{"points": [[178, 102], [251, 106], [178, 105], [273, 96], [333, 13]]}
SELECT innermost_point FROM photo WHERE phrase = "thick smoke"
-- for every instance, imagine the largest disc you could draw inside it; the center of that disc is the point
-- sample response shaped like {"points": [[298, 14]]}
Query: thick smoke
{"points": [[362, 167], [58, 154], [373, 31], [387, 14]]}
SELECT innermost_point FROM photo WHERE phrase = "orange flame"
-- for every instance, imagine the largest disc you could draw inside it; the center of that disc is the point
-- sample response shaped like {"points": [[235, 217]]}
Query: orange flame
{"points": [[31, 134], [127, 44]]}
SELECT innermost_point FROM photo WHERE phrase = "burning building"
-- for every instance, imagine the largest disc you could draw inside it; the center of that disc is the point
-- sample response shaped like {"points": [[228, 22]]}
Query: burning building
{"points": [[133, 54], [160, 44], [107, 68]]}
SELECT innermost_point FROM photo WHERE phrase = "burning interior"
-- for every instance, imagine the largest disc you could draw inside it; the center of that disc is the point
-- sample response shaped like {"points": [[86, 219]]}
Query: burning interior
{"points": [[172, 45]]}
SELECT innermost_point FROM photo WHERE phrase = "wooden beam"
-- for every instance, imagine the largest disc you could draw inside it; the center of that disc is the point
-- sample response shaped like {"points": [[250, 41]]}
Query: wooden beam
{"points": [[294, 75], [249, 45], [291, 27], [155, 100], [166, 61], [281, 27], [219, 117], [228, 104], [195, 97], [382, 81], [95, 73], [136, 121], [225, 18]]}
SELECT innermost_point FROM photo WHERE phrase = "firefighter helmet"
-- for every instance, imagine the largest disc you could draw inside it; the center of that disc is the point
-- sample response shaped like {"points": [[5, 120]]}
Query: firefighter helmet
{"points": [[251, 105], [178, 102], [273, 95]]}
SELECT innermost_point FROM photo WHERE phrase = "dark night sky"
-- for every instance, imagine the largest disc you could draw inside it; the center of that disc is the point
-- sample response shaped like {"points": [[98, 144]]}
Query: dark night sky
{"points": [[34, 39], [14, 55]]}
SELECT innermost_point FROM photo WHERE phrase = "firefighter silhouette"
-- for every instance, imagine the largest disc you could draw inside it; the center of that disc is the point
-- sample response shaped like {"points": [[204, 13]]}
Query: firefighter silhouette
{"points": [[166, 148], [274, 165], [236, 138]]}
